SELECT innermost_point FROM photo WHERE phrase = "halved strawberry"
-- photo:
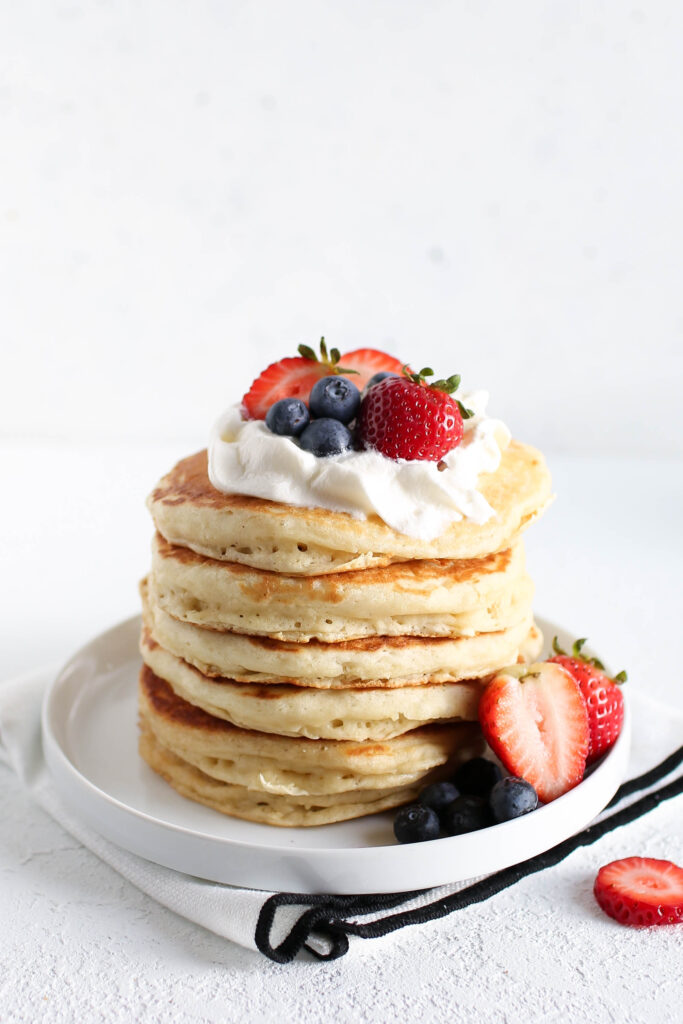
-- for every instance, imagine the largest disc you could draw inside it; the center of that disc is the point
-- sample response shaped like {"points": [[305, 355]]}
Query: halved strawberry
{"points": [[534, 719], [604, 700], [367, 362], [290, 378], [641, 891], [294, 376]]}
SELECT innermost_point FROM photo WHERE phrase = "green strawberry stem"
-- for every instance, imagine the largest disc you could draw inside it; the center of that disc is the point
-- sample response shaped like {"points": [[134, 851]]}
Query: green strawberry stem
{"points": [[450, 385], [577, 647], [330, 360]]}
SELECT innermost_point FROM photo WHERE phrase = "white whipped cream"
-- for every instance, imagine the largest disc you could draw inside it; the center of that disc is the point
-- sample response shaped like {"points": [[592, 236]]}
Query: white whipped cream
{"points": [[415, 498]]}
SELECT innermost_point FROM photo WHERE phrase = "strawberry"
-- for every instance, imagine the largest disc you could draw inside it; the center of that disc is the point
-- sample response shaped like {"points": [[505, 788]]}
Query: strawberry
{"points": [[294, 376], [369, 361], [641, 891], [406, 418], [534, 719], [289, 378], [604, 700]]}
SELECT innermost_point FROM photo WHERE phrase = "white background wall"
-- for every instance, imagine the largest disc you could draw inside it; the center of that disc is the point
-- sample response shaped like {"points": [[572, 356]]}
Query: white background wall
{"points": [[189, 190]]}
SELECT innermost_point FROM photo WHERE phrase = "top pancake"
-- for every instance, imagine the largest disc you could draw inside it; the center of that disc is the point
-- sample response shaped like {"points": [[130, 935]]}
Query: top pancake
{"points": [[190, 512]]}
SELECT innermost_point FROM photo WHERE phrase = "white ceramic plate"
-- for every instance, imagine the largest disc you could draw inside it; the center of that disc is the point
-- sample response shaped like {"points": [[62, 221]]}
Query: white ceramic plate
{"points": [[90, 742]]}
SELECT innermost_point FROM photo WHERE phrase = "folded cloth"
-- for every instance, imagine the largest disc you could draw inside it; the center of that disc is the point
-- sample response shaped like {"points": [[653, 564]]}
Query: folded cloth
{"points": [[280, 925]]}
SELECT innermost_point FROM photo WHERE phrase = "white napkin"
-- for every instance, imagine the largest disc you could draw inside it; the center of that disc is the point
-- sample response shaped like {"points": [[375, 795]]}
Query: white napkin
{"points": [[228, 910]]}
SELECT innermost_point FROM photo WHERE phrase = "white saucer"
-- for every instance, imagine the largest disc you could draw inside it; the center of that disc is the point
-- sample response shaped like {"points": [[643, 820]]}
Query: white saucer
{"points": [[90, 742]]}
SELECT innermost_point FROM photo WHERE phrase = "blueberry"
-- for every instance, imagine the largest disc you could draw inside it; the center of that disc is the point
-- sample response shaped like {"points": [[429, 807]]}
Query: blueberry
{"points": [[466, 814], [289, 416], [415, 824], [335, 397], [477, 777], [325, 437], [438, 795], [511, 797], [377, 377]]}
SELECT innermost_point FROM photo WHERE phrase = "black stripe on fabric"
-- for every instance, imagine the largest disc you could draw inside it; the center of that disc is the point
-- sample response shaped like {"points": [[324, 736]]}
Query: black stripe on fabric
{"points": [[332, 917]]}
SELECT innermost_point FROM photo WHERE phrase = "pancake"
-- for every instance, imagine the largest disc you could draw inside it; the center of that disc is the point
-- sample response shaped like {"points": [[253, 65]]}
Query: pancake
{"points": [[367, 662], [432, 597], [286, 710], [190, 512], [286, 781], [266, 808]]}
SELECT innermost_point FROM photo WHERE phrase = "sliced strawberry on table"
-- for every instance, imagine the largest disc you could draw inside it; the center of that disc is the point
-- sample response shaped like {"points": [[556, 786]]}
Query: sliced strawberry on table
{"points": [[535, 721], [604, 700], [367, 362], [641, 891]]}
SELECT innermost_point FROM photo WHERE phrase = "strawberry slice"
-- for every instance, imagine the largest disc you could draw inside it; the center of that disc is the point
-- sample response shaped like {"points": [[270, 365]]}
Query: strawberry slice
{"points": [[534, 719], [641, 891], [294, 376], [290, 378], [367, 362]]}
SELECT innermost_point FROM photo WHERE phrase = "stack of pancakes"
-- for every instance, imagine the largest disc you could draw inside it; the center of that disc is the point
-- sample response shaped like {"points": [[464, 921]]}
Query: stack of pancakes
{"points": [[303, 666]]}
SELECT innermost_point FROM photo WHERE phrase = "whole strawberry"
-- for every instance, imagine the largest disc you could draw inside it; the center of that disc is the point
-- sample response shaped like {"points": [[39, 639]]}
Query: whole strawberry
{"points": [[604, 700], [407, 418]]}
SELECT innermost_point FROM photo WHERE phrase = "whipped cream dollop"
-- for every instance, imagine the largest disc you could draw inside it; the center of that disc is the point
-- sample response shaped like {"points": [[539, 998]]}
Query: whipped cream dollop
{"points": [[415, 498]]}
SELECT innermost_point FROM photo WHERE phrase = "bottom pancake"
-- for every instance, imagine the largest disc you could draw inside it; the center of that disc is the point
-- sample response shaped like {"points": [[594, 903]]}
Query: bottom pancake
{"points": [[284, 781]]}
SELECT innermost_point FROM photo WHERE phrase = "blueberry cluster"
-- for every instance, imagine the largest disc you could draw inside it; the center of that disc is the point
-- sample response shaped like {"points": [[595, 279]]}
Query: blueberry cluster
{"points": [[477, 796], [322, 427]]}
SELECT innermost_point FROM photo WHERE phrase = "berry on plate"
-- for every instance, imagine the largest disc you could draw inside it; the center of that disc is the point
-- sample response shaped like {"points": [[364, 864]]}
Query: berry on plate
{"points": [[335, 397], [288, 417], [295, 376], [416, 824], [406, 418], [325, 437], [438, 795], [604, 700], [641, 891], [511, 797], [466, 814], [477, 777], [534, 719]]}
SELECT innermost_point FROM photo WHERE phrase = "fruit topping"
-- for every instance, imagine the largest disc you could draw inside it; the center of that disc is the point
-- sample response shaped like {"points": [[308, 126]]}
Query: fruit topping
{"points": [[289, 417], [604, 700], [290, 378], [415, 824], [335, 397], [477, 777], [295, 376], [535, 721], [369, 363], [466, 814], [325, 437], [377, 377], [438, 795], [406, 418], [641, 891], [511, 798]]}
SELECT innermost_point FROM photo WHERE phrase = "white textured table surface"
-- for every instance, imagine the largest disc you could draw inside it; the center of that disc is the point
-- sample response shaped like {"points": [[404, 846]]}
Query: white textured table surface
{"points": [[80, 944]]}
